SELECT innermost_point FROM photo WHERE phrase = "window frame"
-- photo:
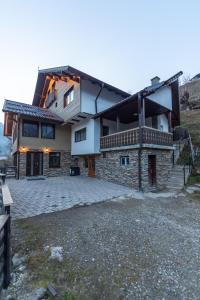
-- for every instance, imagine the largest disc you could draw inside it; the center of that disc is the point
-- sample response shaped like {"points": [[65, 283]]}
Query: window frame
{"points": [[33, 123], [51, 166], [46, 124], [66, 102], [126, 160], [78, 139]]}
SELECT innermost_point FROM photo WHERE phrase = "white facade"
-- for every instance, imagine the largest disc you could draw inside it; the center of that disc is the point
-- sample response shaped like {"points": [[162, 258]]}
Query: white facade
{"points": [[89, 92], [91, 144], [163, 96]]}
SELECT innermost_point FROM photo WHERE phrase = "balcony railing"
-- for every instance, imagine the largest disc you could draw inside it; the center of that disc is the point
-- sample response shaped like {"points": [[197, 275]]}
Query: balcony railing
{"points": [[131, 137]]}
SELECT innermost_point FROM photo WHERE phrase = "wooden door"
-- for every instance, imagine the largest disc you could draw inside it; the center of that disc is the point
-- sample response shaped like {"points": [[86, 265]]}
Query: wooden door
{"points": [[91, 166], [152, 169], [34, 163]]}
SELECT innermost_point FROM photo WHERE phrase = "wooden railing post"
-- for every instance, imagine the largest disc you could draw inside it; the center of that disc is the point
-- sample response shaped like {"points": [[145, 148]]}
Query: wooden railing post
{"points": [[7, 253]]}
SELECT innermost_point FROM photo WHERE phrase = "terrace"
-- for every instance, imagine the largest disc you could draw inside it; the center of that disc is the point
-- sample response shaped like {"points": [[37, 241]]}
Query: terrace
{"points": [[136, 122]]}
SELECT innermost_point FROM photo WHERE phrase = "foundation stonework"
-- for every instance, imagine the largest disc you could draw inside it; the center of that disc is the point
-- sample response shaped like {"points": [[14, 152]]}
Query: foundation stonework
{"points": [[163, 168], [108, 168], [22, 165], [65, 162]]}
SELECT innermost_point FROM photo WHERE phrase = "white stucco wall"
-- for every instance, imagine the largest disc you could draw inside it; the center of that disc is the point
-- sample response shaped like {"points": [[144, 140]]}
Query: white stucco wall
{"points": [[163, 96], [89, 92], [163, 123], [92, 143]]}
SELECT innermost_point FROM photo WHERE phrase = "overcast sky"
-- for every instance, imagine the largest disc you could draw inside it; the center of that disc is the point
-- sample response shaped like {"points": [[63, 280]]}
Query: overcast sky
{"points": [[124, 43]]}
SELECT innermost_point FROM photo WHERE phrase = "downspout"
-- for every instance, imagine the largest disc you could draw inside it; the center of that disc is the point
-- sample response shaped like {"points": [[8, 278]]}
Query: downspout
{"points": [[18, 153], [101, 88], [140, 143]]}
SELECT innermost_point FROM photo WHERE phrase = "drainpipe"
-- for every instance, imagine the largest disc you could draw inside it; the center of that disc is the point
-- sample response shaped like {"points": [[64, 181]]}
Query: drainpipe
{"points": [[140, 142], [101, 88], [18, 153]]}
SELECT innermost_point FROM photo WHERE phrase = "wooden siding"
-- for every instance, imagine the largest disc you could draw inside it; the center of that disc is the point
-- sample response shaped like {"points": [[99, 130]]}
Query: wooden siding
{"points": [[62, 140], [58, 105]]}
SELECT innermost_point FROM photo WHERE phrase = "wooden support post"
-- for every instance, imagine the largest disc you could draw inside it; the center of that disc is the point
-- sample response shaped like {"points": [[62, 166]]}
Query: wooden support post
{"points": [[169, 121], [101, 127], [140, 115], [118, 122]]}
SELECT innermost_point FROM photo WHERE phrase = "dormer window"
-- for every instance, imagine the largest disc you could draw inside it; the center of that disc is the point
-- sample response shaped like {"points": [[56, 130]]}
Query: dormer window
{"points": [[69, 96]]}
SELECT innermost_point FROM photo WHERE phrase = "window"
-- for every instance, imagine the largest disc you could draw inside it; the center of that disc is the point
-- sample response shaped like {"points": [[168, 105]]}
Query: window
{"points": [[104, 155], [48, 131], [30, 129], [124, 160], [80, 135], [69, 96], [105, 130], [54, 160]]}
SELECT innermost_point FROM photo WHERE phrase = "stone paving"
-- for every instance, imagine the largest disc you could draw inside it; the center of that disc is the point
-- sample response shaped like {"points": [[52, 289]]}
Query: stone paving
{"points": [[36, 197]]}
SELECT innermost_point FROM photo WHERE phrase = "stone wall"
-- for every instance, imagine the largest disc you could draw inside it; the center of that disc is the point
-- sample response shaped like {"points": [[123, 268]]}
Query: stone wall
{"points": [[82, 166], [22, 165], [163, 167], [65, 162], [108, 167]]}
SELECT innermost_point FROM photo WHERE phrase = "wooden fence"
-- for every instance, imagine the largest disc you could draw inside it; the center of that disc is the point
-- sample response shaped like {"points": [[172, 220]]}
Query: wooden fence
{"points": [[5, 252]]}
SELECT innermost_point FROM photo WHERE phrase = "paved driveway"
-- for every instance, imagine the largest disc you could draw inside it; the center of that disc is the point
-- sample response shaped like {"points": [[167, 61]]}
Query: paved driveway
{"points": [[35, 197]]}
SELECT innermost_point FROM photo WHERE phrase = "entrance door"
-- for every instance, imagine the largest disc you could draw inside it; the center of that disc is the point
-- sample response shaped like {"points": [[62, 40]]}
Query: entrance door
{"points": [[34, 164], [152, 169], [91, 166]]}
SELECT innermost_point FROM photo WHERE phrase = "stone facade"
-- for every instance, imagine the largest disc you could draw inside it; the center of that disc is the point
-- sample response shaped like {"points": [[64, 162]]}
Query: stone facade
{"points": [[163, 168], [108, 168], [22, 165], [65, 162]]}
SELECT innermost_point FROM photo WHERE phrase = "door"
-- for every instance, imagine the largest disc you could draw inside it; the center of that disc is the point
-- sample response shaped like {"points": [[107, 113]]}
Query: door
{"points": [[152, 169], [91, 166], [34, 163]]}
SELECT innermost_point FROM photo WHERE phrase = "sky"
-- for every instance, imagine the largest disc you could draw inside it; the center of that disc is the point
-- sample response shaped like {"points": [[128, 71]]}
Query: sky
{"points": [[124, 43]]}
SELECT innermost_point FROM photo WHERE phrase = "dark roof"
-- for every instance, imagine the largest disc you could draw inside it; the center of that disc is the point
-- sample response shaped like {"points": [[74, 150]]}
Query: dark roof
{"points": [[30, 110], [145, 93], [196, 77], [68, 71]]}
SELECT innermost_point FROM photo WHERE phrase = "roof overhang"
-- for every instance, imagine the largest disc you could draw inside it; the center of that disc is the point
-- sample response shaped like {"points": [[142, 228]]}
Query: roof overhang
{"points": [[67, 72], [127, 109]]}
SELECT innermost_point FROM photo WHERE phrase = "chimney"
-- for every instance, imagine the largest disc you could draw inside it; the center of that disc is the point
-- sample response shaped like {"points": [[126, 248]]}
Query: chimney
{"points": [[155, 80]]}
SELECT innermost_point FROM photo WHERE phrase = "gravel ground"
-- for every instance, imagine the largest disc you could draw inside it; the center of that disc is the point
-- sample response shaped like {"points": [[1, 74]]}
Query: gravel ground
{"points": [[130, 249]]}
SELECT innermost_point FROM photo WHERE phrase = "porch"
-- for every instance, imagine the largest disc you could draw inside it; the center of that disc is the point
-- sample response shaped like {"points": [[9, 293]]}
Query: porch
{"points": [[149, 136]]}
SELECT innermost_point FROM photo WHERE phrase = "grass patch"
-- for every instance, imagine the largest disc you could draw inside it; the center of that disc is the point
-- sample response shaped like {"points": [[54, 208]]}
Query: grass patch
{"points": [[193, 179]]}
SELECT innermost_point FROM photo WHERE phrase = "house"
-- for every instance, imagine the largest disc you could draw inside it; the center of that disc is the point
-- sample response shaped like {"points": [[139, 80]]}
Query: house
{"points": [[78, 120]]}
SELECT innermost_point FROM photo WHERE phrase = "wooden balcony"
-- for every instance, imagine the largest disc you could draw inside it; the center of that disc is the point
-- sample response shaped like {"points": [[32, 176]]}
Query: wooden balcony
{"points": [[131, 137]]}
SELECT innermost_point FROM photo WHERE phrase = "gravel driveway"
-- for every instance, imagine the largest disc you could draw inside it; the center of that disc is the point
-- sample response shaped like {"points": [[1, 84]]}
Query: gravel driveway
{"points": [[130, 249]]}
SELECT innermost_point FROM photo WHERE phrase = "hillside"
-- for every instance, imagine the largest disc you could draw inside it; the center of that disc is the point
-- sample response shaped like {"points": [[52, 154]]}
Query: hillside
{"points": [[5, 143], [191, 119]]}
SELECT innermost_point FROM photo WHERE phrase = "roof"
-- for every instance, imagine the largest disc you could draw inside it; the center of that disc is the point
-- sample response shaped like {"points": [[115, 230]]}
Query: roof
{"points": [[30, 110], [68, 71], [145, 93], [196, 77]]}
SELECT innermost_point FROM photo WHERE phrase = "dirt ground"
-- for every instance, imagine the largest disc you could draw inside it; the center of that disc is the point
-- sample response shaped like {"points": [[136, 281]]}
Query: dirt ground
{"points": [[130, 249]]}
